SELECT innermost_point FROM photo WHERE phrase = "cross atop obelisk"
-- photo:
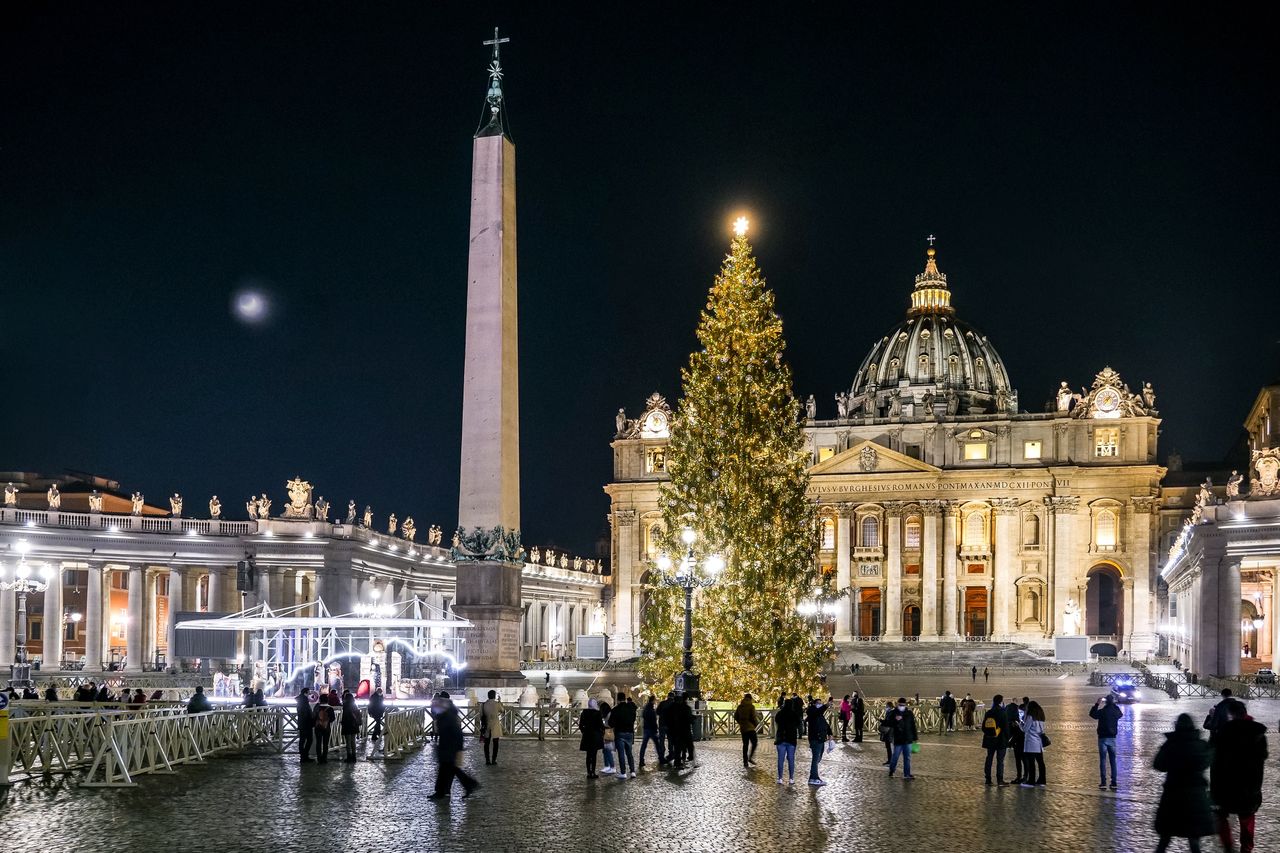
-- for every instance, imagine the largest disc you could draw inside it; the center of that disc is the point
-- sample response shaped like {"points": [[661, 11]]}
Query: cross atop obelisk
{"points": [[494, 121]]}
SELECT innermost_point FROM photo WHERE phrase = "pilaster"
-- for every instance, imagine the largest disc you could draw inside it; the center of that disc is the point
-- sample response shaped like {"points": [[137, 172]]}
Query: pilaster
{"points": [[1002, 566], [950, 591], [932, 518], [893, 589], [843, 576]]}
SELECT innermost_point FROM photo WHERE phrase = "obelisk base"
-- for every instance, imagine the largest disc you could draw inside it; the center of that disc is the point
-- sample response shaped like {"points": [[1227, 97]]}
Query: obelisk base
{"points": [[488, 596]]}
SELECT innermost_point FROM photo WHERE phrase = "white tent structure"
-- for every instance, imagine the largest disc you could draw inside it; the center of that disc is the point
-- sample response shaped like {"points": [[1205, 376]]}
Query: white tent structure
{"points": [[287, 648]]}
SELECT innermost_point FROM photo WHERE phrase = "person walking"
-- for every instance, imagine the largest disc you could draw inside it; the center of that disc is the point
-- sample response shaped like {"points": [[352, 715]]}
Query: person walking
{"points": [[947, 705], [902, 722], [995, 739], [591, 724], [786, 732], [1218, 716], [886, 734], [651, 732], [819, 734], [1108, 715], [449, 746], [491, 727], [859, 711], [748, 720], [1033, 744], [1235, 781], [623, 723], [377, 710], [968, 708], [986, 675], [350, 723], [324, 717], [846, 711], [1184, 810], [306, 726], [666, 746], [974, 672]]}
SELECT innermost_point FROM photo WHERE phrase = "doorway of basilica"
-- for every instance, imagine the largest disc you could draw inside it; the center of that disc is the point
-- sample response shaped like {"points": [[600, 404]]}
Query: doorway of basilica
{"points": [[911, 621], [869, 612], [1104, 602], [975, 611]]}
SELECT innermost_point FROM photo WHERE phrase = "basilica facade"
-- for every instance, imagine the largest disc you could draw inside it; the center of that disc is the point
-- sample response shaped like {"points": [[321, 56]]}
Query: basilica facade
{"points": [[943, 511]]}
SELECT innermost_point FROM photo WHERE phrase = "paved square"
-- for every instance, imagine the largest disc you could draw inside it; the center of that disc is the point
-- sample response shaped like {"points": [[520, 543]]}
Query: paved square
{"points": [[538, 797]]}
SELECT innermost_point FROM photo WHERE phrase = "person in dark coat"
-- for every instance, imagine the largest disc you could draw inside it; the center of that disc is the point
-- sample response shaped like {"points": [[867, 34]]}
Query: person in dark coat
{"points": [[351, 720], [1218, 715], [199, 702], [377, 710], [306, 725], [51, 694], [591, 725], [649, 720], [995, 738], [902, 722], [449, 748], [666, 745], [786, 733], [819, 730], [324, 716], [1184, 810], [680, 728], [1235, 781], [859, 711], [748, 720], [1108, 715], [947, 706]]}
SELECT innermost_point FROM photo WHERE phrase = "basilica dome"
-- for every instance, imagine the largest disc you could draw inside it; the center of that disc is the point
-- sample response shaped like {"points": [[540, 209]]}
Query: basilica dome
{"points": [[931, 362]]}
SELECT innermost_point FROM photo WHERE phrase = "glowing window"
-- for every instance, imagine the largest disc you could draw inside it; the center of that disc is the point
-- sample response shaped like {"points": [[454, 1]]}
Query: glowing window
{"points": [[1030, 450], [1106, 442], [870, 532], [655, 460], [913, 534], [975, 530], [1105, 529], [975, 450]]}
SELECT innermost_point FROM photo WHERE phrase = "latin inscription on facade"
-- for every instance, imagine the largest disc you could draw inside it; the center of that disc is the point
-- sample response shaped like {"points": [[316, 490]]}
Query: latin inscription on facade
{"points": [[945, 486]]}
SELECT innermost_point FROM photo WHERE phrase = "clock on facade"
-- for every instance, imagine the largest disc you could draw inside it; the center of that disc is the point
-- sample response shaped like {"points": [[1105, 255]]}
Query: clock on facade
{"points": [[654, 425], [1107, 403]]}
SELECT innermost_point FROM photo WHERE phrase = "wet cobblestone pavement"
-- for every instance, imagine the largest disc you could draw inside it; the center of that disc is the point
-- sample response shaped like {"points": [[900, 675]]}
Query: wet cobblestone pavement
{"points": [[538, 797]]}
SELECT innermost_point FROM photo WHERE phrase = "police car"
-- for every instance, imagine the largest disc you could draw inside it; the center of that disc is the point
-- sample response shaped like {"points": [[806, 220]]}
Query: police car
{"points": [[1125, 691]]}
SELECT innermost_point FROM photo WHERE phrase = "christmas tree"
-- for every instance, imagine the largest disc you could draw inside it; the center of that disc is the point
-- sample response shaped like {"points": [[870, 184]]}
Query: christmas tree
{"points": [[737, 466]]}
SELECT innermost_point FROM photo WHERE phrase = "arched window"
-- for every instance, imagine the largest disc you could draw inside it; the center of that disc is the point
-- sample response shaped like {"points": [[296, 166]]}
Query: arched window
{"points": [[913, 534], [828, 533], [975, 530], [1104, 535], [654, 534], [1031, 529], [924, 368], [1031, 606], [870, 532]]}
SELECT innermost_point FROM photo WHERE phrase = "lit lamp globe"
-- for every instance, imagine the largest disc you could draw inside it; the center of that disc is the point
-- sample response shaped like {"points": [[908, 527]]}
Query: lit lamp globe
{"points": [[664, 563], [688, 536], [22, 572], [714, 564]]}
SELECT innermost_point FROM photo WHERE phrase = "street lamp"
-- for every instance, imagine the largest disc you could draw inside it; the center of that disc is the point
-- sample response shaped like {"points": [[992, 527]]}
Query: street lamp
{"points": [[24, 584], [821, 608], [688, 578]]}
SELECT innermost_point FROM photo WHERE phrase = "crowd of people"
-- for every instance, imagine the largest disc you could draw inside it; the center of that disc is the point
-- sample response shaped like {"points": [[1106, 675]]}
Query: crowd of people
{"points": [[317, 715]]}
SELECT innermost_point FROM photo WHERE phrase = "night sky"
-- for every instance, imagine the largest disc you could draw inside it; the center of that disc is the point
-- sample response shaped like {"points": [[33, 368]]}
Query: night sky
{"points": [[1102, 182]]}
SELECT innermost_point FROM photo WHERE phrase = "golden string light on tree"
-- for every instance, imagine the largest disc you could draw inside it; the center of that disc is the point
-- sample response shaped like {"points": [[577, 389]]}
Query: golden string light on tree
{"points": [[738, 478]]}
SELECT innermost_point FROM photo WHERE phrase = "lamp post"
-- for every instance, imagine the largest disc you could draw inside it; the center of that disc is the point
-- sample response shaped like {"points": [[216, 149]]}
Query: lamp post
{"points": [[23, 584], [688, 578]]}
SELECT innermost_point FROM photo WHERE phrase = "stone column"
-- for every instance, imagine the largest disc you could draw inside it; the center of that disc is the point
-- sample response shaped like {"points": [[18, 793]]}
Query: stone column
{"points": [[93, 619], [134, 652], [151, 607], [950, 583], [1062, 511], [932, 512], [51, 633], [1141, 639], [8, 629], [175, 604], [1228, 617], [280, 598], [843, 578], [893, 589], [625, 641], [217, 590], [262, 585], [1003, 571], [1266, 637]]}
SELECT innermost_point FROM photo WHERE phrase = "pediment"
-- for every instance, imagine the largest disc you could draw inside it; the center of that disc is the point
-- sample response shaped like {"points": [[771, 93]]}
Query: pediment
{"points": [[867, 457]]}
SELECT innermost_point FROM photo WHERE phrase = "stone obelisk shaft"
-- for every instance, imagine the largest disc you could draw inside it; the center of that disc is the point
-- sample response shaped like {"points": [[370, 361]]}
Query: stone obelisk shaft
{"points": [[489, 489]]}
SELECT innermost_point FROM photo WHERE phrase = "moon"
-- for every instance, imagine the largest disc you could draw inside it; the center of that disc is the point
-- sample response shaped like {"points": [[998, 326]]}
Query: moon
{"points": [[251, 305]]}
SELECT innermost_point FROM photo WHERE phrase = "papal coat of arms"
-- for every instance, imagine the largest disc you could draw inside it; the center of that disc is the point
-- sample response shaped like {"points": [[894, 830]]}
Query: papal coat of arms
{"points": [[1266, 464], [299, 505], [868, 459]]}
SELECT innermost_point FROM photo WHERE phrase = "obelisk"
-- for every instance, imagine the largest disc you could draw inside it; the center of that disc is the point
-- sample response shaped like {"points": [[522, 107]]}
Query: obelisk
{"points": [[487, 544]]}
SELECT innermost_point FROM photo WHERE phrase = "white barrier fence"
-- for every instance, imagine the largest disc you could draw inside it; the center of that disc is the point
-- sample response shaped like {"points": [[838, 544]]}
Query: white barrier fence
{"points": [[113, 746]]}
